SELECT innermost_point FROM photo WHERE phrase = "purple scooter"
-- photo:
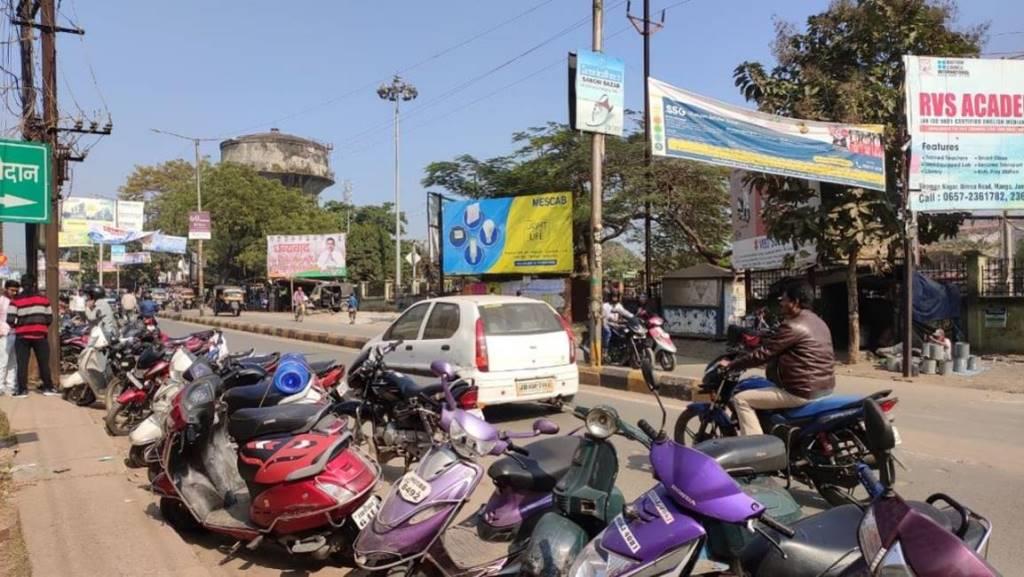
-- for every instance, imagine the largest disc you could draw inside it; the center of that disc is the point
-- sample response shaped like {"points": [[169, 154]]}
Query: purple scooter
{"points": [[664, 532], [416, 522]]}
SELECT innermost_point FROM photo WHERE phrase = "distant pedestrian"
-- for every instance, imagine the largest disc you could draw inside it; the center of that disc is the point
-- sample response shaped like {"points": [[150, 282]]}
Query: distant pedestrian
{"points": [[353, 307], [129, 305], [30, 314], [8, 359]]}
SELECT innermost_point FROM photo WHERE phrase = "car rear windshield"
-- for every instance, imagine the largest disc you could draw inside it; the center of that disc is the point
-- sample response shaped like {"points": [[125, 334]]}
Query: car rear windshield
{"points": [[519, 319]]}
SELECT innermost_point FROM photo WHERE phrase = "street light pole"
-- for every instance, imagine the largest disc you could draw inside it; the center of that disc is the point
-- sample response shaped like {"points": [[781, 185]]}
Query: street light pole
{"points": [[396, 92], [199, 200]]}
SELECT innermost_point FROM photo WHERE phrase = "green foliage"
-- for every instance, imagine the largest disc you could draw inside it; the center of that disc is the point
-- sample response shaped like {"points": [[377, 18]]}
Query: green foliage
{"points": [[620, 262], [689, 200], [244, 208]]}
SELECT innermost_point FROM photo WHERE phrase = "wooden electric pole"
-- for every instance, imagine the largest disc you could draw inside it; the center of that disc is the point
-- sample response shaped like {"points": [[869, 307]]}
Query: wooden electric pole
{"points": [[596, 216], [27, 15]]}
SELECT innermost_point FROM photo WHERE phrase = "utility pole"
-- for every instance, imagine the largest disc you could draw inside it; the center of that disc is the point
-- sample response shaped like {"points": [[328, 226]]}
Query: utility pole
{"points": [[596, 217], [647, 29], [27, 16], [346, 188], [199, 202], [396, 92]]}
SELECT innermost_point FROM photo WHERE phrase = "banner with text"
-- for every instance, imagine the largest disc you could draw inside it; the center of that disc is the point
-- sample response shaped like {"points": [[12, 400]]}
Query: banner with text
{"points": [[131, 215], [306, 256], [92, 210], [518, 235], [199, 225], [112, 235], [74, 234], [966, 122], [599, 89], [752, 248], [694, 127], [160, 242]]}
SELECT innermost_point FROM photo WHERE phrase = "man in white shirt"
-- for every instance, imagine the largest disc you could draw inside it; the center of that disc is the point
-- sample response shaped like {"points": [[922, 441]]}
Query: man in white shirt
{"points": [[330, 258], [8, 362], [130, 305], [615, 315], [77, 304]]}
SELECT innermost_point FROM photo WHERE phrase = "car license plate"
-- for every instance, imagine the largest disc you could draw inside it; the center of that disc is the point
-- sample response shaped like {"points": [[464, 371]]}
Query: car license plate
{"points": [[534, 386], [896, 436], [366, 512], [413, 488]]}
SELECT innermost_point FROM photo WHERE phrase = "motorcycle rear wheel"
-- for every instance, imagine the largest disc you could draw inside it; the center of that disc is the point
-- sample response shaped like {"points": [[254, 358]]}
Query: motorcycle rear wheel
{"points": [[69, 360], [80, 395], [120, 419]]}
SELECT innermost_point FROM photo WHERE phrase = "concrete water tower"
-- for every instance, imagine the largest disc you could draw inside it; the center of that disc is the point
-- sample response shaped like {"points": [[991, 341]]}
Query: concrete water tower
{"points": [[294, 161]]}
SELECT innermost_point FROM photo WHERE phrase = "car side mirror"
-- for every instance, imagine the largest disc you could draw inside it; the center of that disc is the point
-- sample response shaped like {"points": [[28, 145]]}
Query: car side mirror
{"points": [[648, 371], [443, 370], [545, 427]]}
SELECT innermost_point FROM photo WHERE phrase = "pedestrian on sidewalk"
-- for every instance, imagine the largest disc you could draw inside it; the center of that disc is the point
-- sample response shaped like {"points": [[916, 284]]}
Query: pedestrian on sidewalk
{"points": [[30, 314], [8, 362], [299, 303], [353, 307]]}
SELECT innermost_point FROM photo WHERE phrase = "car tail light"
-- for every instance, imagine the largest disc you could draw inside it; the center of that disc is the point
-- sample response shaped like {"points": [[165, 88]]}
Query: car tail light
{"points": [[481, 347], [469, 398], [572, 338], [888, 404]]}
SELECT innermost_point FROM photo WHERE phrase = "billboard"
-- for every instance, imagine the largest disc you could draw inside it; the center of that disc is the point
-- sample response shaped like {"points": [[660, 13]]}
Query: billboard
{"points": [[199, 225], [93, 210], [965, 117], [752, 248], [131, 215], [306, 256], [517, 235], [599, 92], [74, 233], [690, 126], [160, 242], [102, 234], [117, 253]]}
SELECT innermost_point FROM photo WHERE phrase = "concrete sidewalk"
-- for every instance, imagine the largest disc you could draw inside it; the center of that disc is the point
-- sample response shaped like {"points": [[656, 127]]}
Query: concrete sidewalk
{"points": [[80, 512]]}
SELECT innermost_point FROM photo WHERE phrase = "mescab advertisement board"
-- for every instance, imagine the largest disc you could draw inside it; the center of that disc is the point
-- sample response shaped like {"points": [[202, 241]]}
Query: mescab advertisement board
{"points": [[514, 235]]}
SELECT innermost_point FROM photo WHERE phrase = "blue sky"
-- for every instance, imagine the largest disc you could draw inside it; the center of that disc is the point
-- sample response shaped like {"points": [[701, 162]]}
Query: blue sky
{"points": [[225, 68]]}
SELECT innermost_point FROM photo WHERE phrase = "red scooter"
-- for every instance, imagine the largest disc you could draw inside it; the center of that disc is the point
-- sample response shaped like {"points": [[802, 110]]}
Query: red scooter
{"points": [[298, 480]]}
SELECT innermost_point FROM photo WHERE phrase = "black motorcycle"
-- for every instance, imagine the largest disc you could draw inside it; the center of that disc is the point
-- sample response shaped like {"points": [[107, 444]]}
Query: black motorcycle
{"points": [[403, 413]]}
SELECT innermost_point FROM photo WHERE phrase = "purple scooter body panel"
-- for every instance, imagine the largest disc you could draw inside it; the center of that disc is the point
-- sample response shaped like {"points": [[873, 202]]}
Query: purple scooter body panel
{"points": [[697, 483], [661, 526]]}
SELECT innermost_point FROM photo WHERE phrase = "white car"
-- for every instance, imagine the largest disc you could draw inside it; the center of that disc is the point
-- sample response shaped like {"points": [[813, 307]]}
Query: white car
{"points": [[512, 348]]}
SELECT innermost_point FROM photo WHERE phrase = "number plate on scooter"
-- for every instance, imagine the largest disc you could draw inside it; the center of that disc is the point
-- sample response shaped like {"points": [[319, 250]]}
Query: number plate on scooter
{"points": [[413, 488], [366, 512]]}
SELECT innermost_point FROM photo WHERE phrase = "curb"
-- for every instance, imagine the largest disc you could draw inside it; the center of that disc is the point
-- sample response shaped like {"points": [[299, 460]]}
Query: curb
{"points": [[632, 380]]}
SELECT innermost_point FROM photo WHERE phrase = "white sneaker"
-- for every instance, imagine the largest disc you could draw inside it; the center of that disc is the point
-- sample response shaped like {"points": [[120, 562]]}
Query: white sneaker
{"points": [[19, 396]]}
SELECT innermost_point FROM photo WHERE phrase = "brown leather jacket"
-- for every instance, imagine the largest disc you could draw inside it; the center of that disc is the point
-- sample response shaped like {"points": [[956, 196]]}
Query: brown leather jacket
{"points": [[801, 352]]}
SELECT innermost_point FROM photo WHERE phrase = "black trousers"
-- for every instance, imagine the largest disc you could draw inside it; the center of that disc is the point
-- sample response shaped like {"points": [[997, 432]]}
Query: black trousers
{"points": [[23, 349]]}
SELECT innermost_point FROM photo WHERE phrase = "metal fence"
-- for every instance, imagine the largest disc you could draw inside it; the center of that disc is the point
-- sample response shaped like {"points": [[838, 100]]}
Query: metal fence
{"points": [[999, 278], [763, 282], [948, 272]]}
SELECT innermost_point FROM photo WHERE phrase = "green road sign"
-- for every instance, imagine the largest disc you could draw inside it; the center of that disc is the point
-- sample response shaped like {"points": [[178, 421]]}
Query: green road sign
{"points": [[24, 181]]}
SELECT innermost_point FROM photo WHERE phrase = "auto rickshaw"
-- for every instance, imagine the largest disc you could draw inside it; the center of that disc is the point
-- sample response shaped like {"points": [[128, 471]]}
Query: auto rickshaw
{"points": [[227, 298], [186, 297]]}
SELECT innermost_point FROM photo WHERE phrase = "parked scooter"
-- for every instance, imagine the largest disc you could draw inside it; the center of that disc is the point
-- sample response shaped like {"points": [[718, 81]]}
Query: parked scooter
{"points": [[661, 343], [298, 481], [415, 527], [824, 438]]}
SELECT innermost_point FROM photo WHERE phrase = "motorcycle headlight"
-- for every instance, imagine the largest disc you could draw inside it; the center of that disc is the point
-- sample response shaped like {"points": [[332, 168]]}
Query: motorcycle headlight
{"points": [[602, 422], [596, 561], [467, 445]]}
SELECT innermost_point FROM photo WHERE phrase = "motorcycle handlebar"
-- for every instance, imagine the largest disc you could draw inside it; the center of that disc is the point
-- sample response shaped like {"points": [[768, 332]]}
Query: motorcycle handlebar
{"points": [[647, 429]]}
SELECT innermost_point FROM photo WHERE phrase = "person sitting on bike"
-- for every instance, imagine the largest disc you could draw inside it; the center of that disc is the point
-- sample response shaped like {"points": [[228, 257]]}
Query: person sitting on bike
{"points": [[299, 302], [800, 361], [615, 317], [97, 307], [147, 306]]}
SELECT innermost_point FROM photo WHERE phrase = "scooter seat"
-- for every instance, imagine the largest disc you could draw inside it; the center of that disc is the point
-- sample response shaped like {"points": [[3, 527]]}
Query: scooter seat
{"points": [[825, 545], [247, 424], [322, 367], [410, 387], [823, 405], [549, 460], [259, 360], [261, 394]]}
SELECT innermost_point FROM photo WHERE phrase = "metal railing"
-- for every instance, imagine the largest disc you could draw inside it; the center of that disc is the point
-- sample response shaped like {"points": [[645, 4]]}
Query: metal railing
{"points": [[1000, 278], [948, 272]]}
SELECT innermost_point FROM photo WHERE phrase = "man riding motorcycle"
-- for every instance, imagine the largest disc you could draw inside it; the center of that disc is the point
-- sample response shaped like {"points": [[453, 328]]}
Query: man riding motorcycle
{"points": [[800, 361], [615, 317], [98, 307]]}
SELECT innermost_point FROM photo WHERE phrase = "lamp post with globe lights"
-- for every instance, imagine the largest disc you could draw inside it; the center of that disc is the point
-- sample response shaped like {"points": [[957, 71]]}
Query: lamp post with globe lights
{"points": [[397, 91]]}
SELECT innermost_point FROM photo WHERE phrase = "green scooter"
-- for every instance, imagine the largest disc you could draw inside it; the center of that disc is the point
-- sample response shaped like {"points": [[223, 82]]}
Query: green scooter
{"points": [[586, 498]]}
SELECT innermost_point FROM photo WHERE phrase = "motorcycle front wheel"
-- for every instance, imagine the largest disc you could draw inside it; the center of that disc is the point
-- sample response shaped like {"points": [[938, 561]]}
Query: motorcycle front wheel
{"points": [[693, 427], [80, 395], [666, 360], [121, 419]]}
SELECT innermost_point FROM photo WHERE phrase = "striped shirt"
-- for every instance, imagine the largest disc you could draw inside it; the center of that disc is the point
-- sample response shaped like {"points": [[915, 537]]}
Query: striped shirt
{"points": [[30, 315]]}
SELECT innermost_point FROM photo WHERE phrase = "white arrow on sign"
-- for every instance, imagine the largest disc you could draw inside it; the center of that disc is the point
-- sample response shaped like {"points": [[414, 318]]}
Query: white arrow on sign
{"points": [[14, 201]]}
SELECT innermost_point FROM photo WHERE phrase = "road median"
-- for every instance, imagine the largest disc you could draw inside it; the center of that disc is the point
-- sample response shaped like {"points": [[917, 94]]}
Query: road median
{"points": [[673, 386]]}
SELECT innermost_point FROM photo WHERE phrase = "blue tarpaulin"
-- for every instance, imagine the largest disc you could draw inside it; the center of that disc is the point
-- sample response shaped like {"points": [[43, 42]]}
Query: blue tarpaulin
{"points": [[935, 301]]}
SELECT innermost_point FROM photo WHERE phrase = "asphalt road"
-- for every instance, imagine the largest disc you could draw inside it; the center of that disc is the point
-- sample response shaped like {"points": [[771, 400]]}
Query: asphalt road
{"points": [[963, 442]]}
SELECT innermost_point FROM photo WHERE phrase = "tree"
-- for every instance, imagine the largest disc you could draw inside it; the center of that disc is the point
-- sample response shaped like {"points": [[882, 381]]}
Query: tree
{"points": [[690, 200], [620, 262], [847, 66]]}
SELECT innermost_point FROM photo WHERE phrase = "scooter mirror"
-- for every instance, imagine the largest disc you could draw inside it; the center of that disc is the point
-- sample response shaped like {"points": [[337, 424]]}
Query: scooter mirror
{"points": [[545, 427], [443, 370], [648, 371]]}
